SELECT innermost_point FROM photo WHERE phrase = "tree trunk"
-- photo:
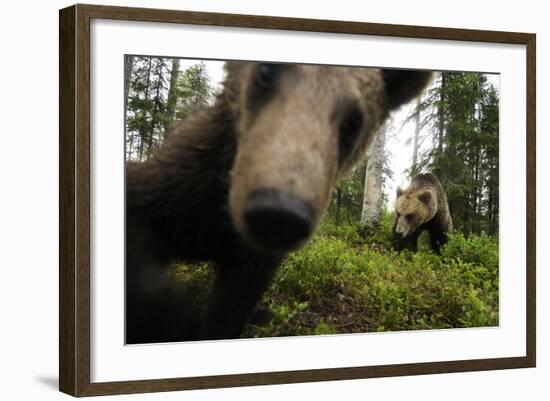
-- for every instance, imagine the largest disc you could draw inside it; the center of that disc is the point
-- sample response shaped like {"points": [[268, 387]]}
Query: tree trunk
{"points": [[172, 96], [157, 107], [373, 195], [128, 67], [141, 131], [416, 135], [441, 113]]}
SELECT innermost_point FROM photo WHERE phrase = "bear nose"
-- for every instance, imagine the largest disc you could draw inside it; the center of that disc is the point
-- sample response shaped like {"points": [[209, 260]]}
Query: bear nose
{"points": [[278, 220]]}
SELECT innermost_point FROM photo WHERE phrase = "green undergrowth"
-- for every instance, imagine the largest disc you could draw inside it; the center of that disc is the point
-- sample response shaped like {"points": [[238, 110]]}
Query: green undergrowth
{"points": [[348, 280]]}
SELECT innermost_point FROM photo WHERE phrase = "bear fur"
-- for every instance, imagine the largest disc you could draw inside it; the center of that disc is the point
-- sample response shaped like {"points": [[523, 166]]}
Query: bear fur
{"points": [[277, 134], [421, 207]]}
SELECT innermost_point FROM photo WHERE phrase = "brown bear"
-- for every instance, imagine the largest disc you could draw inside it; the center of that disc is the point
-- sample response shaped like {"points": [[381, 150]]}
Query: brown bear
{"points": [[422, 206], [242, 183]]}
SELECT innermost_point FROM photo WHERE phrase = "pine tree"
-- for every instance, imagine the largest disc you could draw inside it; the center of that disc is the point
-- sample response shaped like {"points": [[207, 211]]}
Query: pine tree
{"points": [[158, 95], [173, 95], [196, 90], [461, 114]]}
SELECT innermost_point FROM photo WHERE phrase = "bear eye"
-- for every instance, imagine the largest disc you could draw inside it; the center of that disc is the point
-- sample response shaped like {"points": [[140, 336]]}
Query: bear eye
{"points": [[409, 216], [266, 74], [350, 127]]}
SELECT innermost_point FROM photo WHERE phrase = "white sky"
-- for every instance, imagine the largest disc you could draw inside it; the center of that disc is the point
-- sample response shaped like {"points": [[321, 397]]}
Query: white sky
{"points": [[398, 141]]}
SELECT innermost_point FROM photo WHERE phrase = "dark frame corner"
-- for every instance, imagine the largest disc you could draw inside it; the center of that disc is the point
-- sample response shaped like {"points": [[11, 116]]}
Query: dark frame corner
{"points": [[74, 199]]}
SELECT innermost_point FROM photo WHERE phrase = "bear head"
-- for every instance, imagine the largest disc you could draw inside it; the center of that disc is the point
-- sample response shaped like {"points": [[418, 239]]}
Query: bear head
{"points": [[299, 129], [412, 209]]}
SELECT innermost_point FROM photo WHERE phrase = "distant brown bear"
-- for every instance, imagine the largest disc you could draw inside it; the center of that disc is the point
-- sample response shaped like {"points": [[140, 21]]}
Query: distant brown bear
{"points": [[422, 206], [242, 183]]}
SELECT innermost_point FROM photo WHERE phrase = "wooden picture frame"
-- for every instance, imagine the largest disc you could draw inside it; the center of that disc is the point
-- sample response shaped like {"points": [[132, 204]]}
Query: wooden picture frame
{"points": [[74, 206]]}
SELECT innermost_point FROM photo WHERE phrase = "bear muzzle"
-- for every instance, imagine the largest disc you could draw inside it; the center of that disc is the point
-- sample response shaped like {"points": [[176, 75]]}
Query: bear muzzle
{"points": [[277, 220], [398, 234], [401, 230]]}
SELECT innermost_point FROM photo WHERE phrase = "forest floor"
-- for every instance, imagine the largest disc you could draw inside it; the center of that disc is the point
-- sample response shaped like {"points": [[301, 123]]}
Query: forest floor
{"points": [[343, 281]]}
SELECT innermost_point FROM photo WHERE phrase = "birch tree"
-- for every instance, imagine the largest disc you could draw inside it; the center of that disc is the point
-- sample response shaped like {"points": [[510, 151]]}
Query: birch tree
{"points": [[373, 197]]}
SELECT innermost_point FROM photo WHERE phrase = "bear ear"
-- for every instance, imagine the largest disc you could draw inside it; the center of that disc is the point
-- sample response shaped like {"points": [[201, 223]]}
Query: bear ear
{"points": [[425, 197], [402, 86], [399, 192]]}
